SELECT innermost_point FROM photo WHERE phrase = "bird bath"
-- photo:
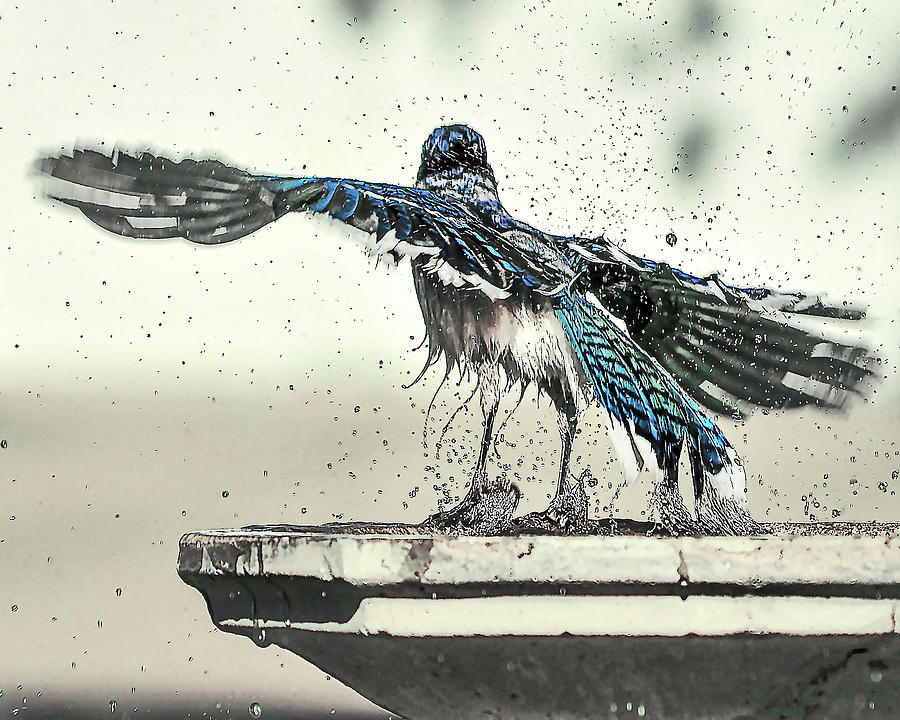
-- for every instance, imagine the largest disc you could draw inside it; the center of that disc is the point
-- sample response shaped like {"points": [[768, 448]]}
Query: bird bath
{"points": [[798, 624]]}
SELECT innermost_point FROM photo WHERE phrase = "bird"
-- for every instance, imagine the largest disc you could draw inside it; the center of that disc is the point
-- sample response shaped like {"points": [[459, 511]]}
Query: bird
{"points": [[587, 323]]}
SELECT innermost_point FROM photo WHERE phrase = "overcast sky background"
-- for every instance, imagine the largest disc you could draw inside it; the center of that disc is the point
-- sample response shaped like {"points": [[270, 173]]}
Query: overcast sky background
{"points": [[152, 388]]}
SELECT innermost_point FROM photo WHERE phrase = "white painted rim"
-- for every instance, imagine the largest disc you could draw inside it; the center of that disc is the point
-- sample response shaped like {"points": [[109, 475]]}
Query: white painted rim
{"points": [[605, 616], [384, 559]]}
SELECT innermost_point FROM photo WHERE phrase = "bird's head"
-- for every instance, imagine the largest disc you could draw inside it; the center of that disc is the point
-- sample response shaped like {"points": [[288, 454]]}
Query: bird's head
{"points": [[454, 150]]}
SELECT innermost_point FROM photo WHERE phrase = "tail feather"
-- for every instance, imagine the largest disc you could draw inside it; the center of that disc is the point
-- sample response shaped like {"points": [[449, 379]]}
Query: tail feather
{"points": [[641, 397]]}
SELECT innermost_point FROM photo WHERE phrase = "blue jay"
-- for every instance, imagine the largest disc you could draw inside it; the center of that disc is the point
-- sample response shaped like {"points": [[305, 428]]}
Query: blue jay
{"points": [[578, 318]]}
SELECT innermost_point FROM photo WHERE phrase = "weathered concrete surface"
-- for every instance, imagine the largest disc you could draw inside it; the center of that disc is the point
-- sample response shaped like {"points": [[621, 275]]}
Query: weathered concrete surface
{"points": [[567, 677], [443, 627]]}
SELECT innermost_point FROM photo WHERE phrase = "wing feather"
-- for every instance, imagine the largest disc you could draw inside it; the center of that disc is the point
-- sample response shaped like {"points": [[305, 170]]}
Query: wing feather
{"points": [[752, 344], [208, 202]]}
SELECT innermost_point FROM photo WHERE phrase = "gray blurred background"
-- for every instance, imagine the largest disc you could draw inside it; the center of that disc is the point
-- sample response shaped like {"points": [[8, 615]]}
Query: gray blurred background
{"points": [[152, 388]]}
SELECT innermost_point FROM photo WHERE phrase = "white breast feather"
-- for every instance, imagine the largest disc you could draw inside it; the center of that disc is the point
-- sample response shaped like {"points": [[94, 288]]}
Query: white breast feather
{"points": [[536, 342]]}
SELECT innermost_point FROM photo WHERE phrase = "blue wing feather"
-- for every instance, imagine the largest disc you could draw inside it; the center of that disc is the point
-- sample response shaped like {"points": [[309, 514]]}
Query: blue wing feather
{"points": [[634, 389], [465, 241], [209, 202]]}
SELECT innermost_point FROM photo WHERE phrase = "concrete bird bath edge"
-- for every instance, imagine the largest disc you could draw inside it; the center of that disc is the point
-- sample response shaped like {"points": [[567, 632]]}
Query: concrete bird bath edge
{"points": [[801, 623]]}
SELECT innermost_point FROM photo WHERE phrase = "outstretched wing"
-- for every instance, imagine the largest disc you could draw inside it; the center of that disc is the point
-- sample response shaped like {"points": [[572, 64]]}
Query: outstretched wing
{"points": [[208, 202], [726, 346]]}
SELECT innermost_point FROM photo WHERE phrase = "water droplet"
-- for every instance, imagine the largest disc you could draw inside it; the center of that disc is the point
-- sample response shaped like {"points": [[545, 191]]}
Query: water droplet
{"points": [[3, 444], [118, 592], [224, 493], [671, 239], [255, 709], [876, 676], [112, 706], [15, 608]]}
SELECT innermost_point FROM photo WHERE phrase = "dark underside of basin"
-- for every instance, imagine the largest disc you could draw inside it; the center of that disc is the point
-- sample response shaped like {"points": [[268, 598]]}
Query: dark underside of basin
{"points": [[678, 678]]}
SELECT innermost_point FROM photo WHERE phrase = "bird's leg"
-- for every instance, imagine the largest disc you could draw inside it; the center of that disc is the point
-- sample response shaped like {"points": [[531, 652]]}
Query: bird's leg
{"points": [[480, 483], [569, 508], [487, 507]]}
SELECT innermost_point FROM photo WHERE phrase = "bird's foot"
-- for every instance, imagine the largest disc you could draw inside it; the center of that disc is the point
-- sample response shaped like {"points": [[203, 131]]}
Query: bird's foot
{"points": [[568, 511], [487, 509]]}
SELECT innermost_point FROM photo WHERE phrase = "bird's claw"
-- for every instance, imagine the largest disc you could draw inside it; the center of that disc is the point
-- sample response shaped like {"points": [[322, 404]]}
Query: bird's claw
{"points": [[567, 513], [487, 509], [569, 509]]}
